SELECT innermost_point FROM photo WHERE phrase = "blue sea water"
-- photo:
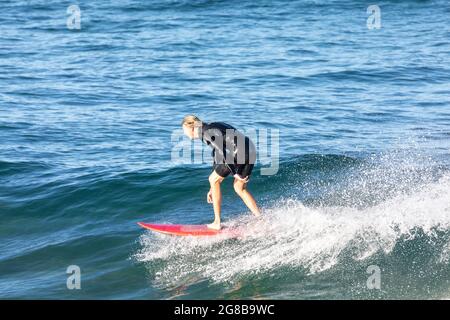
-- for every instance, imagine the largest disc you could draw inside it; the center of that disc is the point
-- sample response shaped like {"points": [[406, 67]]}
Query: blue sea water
{"points": [[86, 123]]}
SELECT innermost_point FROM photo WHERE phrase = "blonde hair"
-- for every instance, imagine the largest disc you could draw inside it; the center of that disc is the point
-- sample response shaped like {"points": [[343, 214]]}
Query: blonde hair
{"points": [[191, 121]]}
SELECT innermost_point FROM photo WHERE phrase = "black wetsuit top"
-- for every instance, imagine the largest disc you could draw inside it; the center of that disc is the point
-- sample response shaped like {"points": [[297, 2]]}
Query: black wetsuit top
{"points": [[230, 147]]}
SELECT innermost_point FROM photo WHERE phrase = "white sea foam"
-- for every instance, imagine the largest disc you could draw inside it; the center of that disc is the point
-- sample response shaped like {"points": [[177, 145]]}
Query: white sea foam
{"points": [[293, 235]]}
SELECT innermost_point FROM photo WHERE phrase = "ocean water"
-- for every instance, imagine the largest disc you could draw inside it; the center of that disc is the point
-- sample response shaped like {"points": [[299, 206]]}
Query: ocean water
{"points": [[86, 123]]}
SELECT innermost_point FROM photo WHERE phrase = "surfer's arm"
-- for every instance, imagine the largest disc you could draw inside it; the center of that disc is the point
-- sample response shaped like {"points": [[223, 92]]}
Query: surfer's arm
{"points": [[209, 198], [221, 151], [230, 166]]}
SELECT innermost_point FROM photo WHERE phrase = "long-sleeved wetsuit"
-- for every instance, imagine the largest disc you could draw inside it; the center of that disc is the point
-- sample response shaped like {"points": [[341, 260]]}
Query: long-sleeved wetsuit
{"points": [[233, 152]]}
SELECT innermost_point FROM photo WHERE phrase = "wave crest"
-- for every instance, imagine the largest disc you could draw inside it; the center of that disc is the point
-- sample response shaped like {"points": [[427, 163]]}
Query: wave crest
{"points": [[308, 239]]}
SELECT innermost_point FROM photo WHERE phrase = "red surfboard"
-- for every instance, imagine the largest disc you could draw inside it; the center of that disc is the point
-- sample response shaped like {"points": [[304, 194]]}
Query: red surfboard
{"points": [[186, 229]]}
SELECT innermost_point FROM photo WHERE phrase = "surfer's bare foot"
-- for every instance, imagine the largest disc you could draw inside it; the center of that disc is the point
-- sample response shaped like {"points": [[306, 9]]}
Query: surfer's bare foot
{"points": [[214, 226], [256, 213]]}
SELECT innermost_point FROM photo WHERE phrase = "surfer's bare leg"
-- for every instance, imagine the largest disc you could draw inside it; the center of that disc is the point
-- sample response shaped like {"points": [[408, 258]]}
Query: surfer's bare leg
{"points": [[214, 181], [241, 189]]}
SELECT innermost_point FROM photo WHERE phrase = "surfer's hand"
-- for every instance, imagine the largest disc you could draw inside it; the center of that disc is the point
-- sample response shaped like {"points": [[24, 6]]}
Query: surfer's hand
{"points": [[209, 197], [237, 176]]}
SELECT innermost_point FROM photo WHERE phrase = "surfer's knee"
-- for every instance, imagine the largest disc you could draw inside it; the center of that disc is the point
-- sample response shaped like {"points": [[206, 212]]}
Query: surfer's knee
{"points": [[214, 178]]}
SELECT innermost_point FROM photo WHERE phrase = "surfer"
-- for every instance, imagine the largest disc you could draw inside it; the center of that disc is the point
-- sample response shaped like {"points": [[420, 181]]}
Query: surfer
{"points": [[233, 153]]}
